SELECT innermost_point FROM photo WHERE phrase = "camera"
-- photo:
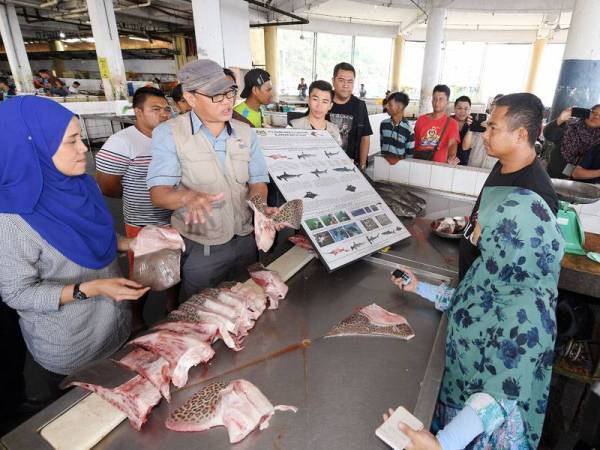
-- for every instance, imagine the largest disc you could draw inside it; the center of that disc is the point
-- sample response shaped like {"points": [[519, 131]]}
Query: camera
{"points": [[478, 119], [581, 113]]}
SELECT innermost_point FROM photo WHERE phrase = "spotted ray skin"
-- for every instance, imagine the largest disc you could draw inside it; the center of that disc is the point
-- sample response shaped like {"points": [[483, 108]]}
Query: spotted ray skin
{"points": [[359, 325], [199, 408]]}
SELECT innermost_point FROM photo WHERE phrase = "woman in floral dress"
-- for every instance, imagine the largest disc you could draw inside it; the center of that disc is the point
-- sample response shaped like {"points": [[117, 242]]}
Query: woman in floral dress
{"points": [[501, 329]]}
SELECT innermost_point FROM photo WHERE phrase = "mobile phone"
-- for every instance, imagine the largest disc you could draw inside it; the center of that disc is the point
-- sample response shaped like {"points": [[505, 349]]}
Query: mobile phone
{"points": [[389, 432], [478, 119], [406, 278], [581, 113]]}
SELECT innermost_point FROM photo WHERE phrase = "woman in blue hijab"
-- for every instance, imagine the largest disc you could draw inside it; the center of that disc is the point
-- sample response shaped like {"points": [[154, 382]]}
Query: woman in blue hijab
{"points": [[58, 265], [501, 329]]}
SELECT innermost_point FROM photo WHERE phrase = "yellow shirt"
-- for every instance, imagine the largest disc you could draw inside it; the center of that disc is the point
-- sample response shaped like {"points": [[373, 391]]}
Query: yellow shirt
{"points": [[255, 117]]}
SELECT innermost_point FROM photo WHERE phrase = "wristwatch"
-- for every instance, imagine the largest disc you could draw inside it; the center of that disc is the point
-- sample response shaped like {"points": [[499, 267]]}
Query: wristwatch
{"points": [[77, 294]]}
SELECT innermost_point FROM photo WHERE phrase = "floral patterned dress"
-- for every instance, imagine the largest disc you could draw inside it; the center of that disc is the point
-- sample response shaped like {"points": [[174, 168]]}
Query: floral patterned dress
{"points": [[501, 322]]}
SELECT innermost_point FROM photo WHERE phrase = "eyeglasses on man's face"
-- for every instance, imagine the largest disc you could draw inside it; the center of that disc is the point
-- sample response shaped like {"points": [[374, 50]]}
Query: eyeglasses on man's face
{"points": [[219, 97]]}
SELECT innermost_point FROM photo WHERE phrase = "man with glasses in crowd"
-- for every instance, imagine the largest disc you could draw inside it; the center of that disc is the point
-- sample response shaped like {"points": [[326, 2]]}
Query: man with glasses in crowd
{"points": [[205, 166], [350, 115], [121, 169]]}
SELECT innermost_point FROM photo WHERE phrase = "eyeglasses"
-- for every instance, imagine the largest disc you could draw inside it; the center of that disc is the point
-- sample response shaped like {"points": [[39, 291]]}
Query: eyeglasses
{"points": [[219, 97]]}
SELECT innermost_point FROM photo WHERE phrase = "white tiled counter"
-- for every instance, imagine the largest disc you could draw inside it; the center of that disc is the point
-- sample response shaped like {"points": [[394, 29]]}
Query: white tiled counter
{"points": [[461, 180]]}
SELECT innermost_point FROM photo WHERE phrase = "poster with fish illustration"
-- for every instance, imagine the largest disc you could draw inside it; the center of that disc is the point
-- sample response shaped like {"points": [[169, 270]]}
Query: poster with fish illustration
{"points": [[344, 217]]}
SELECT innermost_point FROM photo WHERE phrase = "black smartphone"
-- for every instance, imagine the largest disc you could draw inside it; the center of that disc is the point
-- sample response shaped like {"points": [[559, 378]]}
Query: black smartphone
{"points": [[406, 278], [478, 119], [581, 113]]}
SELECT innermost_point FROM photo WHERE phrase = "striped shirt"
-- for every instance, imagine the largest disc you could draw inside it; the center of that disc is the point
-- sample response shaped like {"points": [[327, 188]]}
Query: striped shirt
{"points": [[61, 338], [397, 139], [128, 154]]}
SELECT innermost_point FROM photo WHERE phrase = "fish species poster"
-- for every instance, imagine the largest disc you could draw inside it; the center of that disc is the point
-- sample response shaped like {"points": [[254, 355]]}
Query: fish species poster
{"points": [[344, 217]]}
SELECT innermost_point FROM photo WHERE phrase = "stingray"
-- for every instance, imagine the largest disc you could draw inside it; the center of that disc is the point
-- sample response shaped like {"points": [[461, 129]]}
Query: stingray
{"points": [[239, 406], [290, 215], [373, 321]]}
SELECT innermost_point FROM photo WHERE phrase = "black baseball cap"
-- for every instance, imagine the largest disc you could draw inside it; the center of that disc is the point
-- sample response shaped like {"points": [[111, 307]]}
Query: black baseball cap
{"points": [[254, 77]]}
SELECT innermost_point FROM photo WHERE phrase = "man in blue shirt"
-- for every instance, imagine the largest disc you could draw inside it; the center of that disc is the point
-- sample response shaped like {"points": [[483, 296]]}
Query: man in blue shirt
{"points": [[204, 167], [396, 135]]}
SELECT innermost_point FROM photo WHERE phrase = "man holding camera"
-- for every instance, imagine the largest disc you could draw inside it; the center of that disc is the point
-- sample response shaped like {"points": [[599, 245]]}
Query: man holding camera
{"points": [[462, 115]]}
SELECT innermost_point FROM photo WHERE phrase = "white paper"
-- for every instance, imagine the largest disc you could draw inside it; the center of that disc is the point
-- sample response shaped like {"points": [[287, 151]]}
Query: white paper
{"points": [[344, 217], [389, 432]]}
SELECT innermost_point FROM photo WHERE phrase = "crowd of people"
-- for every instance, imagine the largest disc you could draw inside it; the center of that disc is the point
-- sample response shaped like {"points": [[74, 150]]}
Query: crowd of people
{"points": [[194, 171]]}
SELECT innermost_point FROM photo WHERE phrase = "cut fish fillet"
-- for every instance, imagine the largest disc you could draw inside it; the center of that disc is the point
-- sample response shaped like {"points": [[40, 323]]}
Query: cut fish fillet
{"points": [[271, 282], [182, 351], [239, 406], [150, 366], [136, 398], [290, 215], [373, 320]]}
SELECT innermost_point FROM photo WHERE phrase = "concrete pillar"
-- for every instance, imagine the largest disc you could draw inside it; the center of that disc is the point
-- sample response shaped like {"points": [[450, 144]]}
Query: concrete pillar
{"points": [[579, 79], [534, 65], [15, 48], [397, 63], [58, 67], [108, 48], [271, 56], [207, 26], [432, 61]]}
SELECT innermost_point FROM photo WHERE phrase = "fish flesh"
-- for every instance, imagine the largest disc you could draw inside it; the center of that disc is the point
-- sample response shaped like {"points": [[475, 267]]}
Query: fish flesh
{"points": [[310, 194], [306, 155], [318, 172], [271, 282], [254, 295], [351, 188], [286, 176], [182, 351], [150, 366], [289, 215], [135, 398], [330, 154], [373, 320], [239, 406], [264, 228], [152, 238], [344, 169]]}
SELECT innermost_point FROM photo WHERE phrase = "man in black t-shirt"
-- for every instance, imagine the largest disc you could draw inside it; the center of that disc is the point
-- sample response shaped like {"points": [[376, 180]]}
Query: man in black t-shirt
{"points": [[510, 136], [350, 115], [588, 169]]}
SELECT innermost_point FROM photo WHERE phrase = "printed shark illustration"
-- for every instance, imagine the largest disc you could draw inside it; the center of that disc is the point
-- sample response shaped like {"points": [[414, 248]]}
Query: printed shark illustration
{"points": [[351, 188], [318, 172], [310, 194], [388, 232], [344, 169], [305, 155], [355, 245], [286, 176], [329, 155], [372, 239], [278, 156], [335, 251]]}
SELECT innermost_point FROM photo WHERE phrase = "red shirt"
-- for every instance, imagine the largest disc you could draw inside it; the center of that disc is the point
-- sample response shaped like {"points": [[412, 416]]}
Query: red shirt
{"points": [[427, 135]]}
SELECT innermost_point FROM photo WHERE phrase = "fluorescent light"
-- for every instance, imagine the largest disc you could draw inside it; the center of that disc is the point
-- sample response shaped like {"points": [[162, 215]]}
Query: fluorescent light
{"points": [[135, 38]]}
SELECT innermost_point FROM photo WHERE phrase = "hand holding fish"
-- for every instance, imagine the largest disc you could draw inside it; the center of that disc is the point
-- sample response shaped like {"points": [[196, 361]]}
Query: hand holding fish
{"points": [[453, 161], [270, 212], [199, 205]]}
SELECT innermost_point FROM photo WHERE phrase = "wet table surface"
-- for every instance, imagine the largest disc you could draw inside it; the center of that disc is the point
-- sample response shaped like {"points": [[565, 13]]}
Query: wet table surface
{"points": [[341, 385]]}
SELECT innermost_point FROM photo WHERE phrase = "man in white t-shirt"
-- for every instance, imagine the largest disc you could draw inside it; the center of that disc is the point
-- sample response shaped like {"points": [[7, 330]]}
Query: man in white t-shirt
{"points": [[121, 169]]}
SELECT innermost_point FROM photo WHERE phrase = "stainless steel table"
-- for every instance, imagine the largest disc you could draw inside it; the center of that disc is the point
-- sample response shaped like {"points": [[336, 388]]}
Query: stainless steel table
{"points": [[340, 385]]}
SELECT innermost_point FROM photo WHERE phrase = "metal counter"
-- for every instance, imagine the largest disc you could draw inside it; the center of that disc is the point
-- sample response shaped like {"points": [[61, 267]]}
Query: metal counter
{"points": [[340, 385]]}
